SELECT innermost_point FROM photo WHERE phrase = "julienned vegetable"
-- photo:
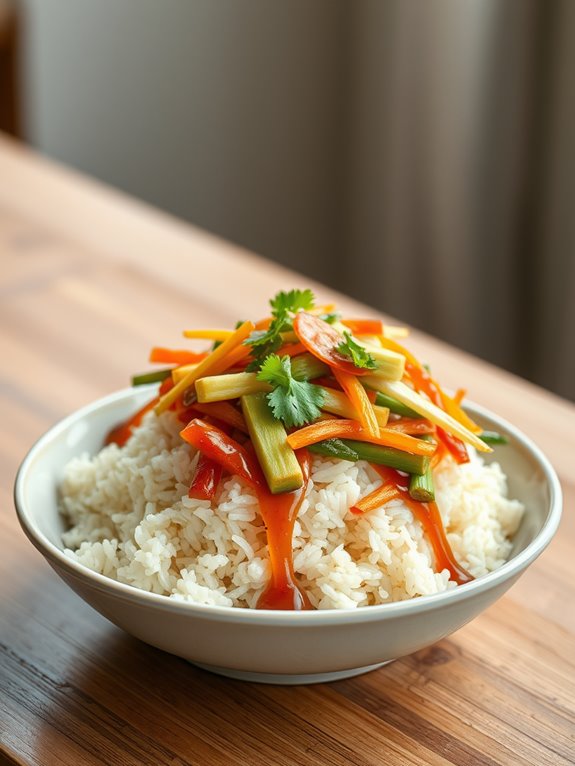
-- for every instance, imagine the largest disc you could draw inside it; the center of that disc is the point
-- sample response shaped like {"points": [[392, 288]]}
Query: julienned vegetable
{"points": [[305, 377]]}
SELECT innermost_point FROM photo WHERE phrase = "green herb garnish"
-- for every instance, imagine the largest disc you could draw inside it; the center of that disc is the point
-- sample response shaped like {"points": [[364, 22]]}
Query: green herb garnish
{"points": [[358, 354], [292, 401], [284, 306]]}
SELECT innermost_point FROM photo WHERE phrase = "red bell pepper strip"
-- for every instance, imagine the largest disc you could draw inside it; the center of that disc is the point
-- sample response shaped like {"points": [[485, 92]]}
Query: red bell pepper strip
{"points": [[218, 446], [206, 480]]}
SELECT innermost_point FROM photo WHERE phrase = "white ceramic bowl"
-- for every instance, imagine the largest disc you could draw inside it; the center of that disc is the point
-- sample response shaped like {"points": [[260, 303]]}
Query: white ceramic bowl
{"points": [[275, 646]]}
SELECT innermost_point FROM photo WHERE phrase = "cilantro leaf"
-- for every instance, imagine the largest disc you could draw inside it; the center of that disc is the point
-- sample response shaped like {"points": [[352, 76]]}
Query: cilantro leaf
{"points": [[293, 301], [284, 306], [292, 401], [359, 355], [331, 318]]}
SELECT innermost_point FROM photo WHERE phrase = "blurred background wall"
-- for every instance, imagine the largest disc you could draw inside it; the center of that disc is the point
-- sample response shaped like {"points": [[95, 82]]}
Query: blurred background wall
{"points": [[419, 156]]}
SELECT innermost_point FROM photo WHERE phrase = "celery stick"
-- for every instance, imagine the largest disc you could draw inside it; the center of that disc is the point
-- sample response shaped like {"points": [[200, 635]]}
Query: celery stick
{"points": [[269, 437], [338, 403], [308, 367], [390, 364], [217, 388]]}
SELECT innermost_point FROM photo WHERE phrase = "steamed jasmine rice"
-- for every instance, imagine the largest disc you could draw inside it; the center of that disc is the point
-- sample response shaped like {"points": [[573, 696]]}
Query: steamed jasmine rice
{"points": [[130, 518]]}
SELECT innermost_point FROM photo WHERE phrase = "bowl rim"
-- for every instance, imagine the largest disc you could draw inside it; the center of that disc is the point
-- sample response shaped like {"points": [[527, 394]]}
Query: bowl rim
{"points": [[122, 591]]}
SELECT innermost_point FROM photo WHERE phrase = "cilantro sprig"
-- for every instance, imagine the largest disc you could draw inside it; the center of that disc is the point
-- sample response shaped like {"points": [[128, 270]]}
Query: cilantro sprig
{"points": [[359, 355], [284, 306], [293, 401]]}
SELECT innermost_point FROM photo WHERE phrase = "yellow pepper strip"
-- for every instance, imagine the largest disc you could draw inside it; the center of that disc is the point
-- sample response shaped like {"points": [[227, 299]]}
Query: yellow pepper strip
{"points": [[207, 365], [178, 373], [208, 334], [427, 409], [235, 356], [449, 404]]}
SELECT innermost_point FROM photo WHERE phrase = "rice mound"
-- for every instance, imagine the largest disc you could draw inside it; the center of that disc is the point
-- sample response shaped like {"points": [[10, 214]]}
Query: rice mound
{"points": [[131, 519]]}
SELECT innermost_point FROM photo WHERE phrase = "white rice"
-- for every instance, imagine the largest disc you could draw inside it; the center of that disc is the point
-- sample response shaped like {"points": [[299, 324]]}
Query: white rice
{"points": [[131, 519]]}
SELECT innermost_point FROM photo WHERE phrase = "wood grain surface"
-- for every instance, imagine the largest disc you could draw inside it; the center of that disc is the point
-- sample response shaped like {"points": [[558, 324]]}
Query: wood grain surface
{"points": [[89, 279]]}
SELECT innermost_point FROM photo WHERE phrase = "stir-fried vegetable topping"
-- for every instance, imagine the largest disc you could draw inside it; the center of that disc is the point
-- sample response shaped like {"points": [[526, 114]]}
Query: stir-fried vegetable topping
{"points": [[344, 388], [263, 395]]}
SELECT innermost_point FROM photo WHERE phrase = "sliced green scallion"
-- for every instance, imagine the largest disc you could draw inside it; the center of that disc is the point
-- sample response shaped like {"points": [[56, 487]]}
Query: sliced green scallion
{"points": [[389, 456], [421, 487], [493, 437], [334, 448], [151, 377], [383, 400]]}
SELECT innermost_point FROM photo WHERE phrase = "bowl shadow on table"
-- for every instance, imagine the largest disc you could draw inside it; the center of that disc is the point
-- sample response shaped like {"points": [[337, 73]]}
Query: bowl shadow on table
{"points": [[131, 703]]}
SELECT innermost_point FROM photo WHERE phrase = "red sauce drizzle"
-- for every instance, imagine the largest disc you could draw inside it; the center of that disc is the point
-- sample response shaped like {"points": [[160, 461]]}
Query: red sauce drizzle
{"points": [[279, 513], [429, 516]]}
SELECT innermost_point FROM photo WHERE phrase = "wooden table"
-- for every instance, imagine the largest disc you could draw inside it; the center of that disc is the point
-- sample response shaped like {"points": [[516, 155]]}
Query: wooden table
{"points": [[88, 280]]}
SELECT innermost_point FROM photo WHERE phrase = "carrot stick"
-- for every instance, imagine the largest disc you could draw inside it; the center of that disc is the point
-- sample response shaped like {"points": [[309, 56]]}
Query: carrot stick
{"points": [[343, 428], [411, 426], [375, 499], [175, 356], [364, 326], [359, 399], [220, 355]]}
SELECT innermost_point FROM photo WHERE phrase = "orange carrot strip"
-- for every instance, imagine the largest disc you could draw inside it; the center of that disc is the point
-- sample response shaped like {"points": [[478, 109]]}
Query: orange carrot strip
{"points": [[376, 499], [359, 400], [215, 360], [343, 428], [175, 356], [411, 426], [364, 326]]}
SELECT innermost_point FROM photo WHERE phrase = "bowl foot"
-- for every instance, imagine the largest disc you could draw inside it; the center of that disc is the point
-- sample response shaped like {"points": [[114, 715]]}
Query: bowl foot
{"points": [[287, 679]]}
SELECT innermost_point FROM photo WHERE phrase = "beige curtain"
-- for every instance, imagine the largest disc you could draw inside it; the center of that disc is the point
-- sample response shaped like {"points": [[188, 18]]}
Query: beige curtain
{"points": [[461, 179], [418, 154]]}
